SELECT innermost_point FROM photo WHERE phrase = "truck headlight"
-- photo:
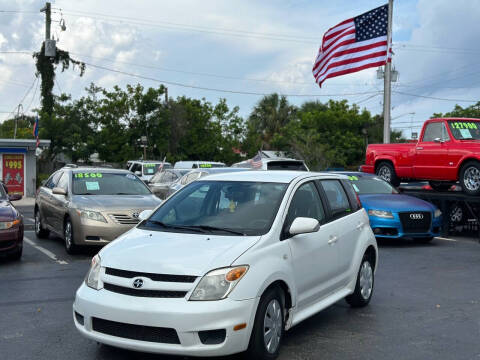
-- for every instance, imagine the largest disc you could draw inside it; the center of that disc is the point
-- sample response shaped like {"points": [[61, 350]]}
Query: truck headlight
{"points": [[91, 215], [217, 284], [437, 213], [93, 276], [381, 214]]}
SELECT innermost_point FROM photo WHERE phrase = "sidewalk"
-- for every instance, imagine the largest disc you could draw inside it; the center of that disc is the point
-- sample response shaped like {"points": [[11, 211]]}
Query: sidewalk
{"points": [[26, 206]]}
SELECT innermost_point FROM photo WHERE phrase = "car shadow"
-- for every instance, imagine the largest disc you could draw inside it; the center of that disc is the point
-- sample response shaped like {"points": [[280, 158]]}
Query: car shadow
{"points": [[405, 243]]}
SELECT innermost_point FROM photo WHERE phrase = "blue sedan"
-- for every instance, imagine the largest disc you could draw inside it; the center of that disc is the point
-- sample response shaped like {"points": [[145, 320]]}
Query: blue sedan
{"points": [[393, 215]]}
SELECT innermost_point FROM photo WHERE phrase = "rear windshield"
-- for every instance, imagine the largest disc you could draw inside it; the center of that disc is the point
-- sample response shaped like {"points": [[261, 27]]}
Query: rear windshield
{"points": [[98, 183], [150, 169], [286, 165], [465, 130]]}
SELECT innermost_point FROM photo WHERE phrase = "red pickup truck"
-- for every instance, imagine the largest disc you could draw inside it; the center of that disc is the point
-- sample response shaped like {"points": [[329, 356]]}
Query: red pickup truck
{"points": [[448, 151]]}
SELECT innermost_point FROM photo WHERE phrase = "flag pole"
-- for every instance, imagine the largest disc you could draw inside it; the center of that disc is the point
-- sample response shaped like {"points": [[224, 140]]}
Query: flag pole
{"points": [[387, 83]]}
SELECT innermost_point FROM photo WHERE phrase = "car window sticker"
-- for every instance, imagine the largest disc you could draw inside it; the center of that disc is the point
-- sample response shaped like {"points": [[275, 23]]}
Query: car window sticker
{"points": [[88, 175], [92, 185], [356, 188], [465, 133]]}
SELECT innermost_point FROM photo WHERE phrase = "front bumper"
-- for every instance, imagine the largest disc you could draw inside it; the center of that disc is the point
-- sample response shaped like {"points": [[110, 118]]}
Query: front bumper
{"points": [[186, 317], [11, 239], [393, 229]]}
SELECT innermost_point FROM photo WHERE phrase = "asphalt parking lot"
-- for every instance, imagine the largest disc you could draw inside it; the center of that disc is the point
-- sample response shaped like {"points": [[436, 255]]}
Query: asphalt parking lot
{"points": [[426, 305]]}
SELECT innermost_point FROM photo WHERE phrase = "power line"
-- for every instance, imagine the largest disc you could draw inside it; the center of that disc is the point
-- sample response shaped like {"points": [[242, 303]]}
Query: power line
{"points": [[18, 11], [433, 97]]}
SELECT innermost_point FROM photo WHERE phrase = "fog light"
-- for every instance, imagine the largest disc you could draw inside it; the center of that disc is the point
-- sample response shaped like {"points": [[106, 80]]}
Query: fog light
{"points": [[377, 230]]}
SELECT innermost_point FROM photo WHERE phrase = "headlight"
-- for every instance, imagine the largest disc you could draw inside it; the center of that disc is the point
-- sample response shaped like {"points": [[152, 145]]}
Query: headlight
{"points": [[91, 215], [8, 224], [381, 214], [438, 213], [93, 276], [217, 284]]}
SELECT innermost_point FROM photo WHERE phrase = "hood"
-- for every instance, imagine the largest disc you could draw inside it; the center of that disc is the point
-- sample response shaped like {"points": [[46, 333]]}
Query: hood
{"points": [[395, 202], [7, 212], [116, 202], [173, 253]]}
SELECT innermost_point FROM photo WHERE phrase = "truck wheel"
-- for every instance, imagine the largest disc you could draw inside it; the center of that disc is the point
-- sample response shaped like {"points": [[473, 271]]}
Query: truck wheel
{"points": [[386, 171], [440, 186], [470, 178]]}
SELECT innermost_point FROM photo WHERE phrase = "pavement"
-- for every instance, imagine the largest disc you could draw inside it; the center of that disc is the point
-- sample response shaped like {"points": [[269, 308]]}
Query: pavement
{"points": [[26, 205], [426, 305]]}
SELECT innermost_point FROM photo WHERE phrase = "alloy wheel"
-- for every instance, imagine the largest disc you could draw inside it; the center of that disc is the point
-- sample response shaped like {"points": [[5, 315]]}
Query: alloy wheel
{"points": [[471, 178], [385, 173], [366, 280], [272, 325], [68, 234], [38, 224]]}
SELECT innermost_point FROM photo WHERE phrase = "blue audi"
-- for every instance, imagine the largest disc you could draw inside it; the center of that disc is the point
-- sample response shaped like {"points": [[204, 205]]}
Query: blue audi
{"points": [[394, 215]]}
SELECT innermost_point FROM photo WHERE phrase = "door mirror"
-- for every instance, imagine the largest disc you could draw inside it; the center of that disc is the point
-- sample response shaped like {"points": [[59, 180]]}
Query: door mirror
{"points": [[138, 173], [14, 197], [438, 140], [303, 225], [59, 191], [145, 214]]}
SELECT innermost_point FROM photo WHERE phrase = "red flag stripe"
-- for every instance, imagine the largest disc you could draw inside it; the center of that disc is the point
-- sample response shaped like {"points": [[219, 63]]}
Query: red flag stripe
{"points": [[338, 30], [352, 70], [322, 55], [343, 24], [327, 44]]}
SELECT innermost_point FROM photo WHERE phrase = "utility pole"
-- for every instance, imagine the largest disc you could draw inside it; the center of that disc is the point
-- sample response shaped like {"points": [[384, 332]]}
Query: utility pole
{"points": [[387, 85], [47, 9], [16, 120]]}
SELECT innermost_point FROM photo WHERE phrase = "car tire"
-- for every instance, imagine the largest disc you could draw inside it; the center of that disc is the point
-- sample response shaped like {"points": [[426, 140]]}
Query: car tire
{"points": [[270, 315], [440, 186], [424, 240], [40, 232], [15, 256], [364, 284], [470, 178], [386, 171], [68, 237]]}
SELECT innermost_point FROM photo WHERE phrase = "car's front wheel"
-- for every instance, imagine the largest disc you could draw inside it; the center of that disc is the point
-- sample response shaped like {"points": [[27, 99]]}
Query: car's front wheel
{"points": [[39, 230], [364, 285], [269, 325], [68, 237], [16, 255]]}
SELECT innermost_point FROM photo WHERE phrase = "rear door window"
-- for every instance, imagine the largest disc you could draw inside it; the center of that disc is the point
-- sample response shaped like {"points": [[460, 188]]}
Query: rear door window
{"points": [[336, 197]]}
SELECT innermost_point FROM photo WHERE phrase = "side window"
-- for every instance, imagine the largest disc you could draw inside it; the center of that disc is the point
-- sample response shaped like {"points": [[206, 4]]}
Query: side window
{"points": [[352, 195], [52, 181], [435, 130], [305, 203], [136, 167], [336, 197], [63, 182]]}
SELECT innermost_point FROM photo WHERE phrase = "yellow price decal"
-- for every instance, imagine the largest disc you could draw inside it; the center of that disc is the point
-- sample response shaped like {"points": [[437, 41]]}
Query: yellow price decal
{"points": [[88, 175]]}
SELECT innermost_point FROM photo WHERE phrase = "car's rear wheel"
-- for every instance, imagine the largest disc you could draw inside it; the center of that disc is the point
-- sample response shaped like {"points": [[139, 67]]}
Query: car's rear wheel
{"points": [[470, 178], [269, 325], [364, 285], [387, 172], [68, 237], [39, 229]]}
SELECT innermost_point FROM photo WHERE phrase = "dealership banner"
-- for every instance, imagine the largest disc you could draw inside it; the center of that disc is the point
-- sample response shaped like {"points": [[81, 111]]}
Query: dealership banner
{"points": [[13, 170]]}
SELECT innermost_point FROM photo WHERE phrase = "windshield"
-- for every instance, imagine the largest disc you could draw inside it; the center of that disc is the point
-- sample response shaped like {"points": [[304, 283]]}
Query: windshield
{"points": [[371, 185], [223, 207], [151, 168], [465, 130], [99, 183]]}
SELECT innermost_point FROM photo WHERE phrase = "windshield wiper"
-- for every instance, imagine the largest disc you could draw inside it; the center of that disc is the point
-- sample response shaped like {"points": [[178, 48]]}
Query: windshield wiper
{"points": [[215, 228], [179, 227]]}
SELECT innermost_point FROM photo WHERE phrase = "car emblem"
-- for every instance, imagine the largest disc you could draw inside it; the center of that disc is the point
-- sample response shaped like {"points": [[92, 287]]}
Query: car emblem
{"points": [[416, 216], [136, 214], [137, 283]]}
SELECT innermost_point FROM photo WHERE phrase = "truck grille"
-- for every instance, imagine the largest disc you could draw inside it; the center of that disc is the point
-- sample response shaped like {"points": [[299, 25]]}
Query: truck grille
{"points": [[154, 277], [416, 222], [144, 292], [136, 332], [124, 219]]}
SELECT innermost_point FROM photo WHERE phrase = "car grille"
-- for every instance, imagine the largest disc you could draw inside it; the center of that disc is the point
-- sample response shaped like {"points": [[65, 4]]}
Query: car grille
{"points": [[151, 276], [124, 219], [416, 225], [144, 292], [136, 332], [7, 244]]}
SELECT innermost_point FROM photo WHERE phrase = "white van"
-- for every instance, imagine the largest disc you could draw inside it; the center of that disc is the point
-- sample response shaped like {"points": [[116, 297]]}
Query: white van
{"points": [[197, 164], [146, 169], [273, 164]]}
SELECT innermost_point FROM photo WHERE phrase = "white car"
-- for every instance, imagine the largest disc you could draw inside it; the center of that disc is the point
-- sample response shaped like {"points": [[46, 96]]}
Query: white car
{"points": [[145, 170], [228, 263]]}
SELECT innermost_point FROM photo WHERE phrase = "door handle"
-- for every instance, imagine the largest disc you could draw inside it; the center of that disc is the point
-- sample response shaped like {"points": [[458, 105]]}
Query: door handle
{"points": [[333, 240], [419, 147], [360, 226]]}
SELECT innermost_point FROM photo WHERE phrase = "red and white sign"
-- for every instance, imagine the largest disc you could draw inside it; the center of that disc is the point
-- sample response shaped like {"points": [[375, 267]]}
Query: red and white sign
{"points": [[13, 173]]}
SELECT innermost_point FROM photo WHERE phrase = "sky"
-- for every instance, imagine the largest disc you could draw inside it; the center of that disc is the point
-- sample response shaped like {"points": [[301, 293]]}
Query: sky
{"points": [[245, 48]]}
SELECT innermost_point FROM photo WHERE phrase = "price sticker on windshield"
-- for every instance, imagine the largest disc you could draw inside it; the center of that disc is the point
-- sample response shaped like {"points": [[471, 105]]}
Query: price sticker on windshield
{"points": [[464, 125], [88, 175], [352, 178], [205, 166]]}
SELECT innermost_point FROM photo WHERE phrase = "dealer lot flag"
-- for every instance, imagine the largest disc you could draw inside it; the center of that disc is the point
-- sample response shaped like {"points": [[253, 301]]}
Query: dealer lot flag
{"points": [[353, 45]]}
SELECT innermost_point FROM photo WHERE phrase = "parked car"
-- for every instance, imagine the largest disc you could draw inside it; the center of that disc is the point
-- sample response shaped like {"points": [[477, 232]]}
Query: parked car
{"points": [[273, 164], [90, 206], [394, 215], [162, 180], [228, 263], [448, 151], [11, 225], [146, 169], [198, 164], [197, 174]]}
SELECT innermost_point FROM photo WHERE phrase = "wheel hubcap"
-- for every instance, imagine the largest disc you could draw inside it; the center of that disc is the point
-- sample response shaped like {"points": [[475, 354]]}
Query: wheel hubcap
{"points": [[272, 326], [384, 173], [456, 214], [68, 235], [38, 226], [471, 178], [366, 280]]}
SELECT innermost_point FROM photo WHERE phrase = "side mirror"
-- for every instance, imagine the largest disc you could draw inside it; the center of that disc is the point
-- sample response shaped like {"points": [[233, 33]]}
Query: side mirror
{"points": [[145, 214], [303, 225], [438, 140], [14, 197], [138, 173], [59, 191]]}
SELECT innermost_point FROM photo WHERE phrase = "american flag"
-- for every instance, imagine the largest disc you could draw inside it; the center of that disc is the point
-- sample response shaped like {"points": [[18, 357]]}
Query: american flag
{"points": [[257, 161], [35, 131], [353, 45]]}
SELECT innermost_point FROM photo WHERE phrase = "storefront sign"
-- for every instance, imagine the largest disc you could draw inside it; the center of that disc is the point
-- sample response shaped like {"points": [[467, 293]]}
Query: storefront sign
{"points": [[13, 173]]}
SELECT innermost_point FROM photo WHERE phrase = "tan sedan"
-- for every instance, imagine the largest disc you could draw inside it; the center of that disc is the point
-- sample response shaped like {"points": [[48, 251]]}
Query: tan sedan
{"points": [[90, 206]]}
